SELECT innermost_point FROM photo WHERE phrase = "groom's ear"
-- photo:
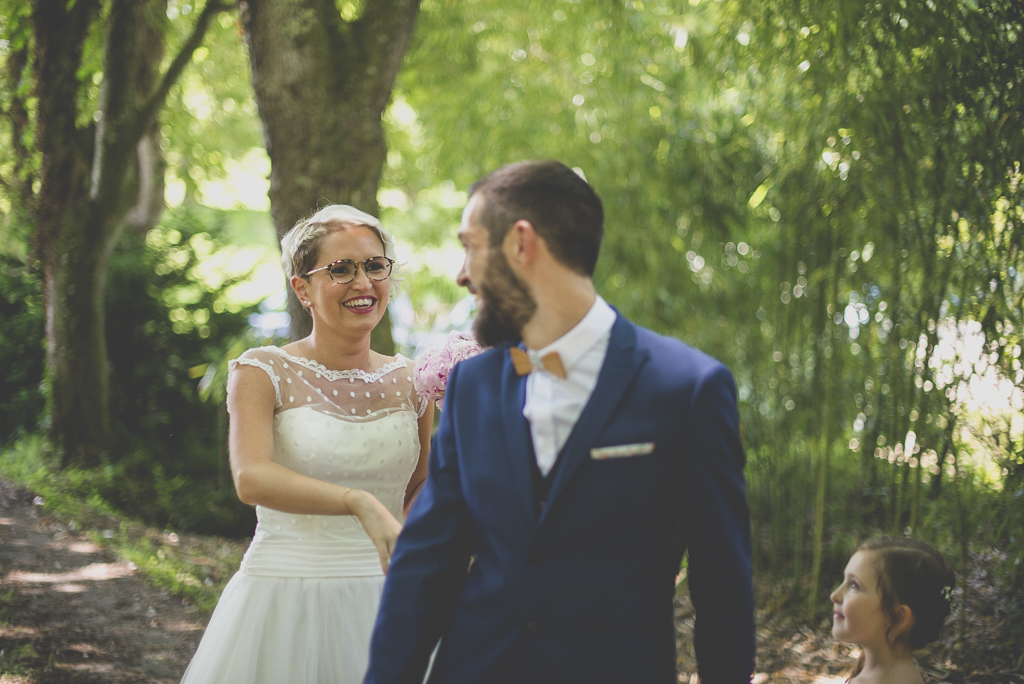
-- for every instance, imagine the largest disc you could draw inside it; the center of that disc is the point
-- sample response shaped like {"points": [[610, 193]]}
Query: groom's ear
{"points": [[521, 244]]}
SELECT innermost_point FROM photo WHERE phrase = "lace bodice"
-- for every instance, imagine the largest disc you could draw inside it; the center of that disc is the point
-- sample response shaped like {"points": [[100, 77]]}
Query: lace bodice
{"points": [[352, 428], [350, 394]]}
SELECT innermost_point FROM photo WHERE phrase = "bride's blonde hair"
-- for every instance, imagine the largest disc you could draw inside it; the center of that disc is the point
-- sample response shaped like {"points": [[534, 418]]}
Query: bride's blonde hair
{"points": [[300, 247]]}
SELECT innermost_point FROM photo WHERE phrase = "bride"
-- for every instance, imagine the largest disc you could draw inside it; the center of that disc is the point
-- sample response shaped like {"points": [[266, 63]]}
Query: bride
{"points": [[329, 440]]}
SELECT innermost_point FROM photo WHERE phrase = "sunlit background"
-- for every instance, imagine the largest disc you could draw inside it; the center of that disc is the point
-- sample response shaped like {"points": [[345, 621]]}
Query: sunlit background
{"points": [[828, 197]]}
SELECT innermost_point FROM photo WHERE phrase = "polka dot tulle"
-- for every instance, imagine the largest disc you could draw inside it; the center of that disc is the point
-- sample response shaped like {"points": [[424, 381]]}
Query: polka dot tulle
{"points": [[357, 395]]}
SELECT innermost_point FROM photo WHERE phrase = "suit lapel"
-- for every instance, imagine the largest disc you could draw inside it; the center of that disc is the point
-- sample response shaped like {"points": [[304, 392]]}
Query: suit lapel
{"points": [[621, 363], [518, 441]]}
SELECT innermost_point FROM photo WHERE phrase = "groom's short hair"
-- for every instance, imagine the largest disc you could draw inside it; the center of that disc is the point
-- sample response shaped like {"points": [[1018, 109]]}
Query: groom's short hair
{"points": [[562, 207]]}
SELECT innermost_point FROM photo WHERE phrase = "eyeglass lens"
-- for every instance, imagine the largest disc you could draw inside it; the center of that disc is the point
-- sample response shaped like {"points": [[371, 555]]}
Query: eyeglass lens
{"points": [[377, 268]]}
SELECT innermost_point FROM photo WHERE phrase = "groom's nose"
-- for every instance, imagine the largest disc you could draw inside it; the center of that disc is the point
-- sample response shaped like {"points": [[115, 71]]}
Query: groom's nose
{"points": [[463, 279]]}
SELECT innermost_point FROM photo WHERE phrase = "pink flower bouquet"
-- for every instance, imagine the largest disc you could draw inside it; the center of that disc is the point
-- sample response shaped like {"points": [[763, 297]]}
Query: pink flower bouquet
{"points": [[430, 375]]}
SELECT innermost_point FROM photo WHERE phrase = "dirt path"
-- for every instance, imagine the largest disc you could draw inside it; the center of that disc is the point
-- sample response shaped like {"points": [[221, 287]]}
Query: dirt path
{"points": [[72, 612]]}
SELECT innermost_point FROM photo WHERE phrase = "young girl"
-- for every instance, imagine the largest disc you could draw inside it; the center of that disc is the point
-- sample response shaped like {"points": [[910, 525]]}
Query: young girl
{"points": [[894, 598]]}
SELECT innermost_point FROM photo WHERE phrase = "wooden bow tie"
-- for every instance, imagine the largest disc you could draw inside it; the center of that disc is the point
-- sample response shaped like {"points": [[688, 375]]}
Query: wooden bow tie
{"points": [[524, 364]]}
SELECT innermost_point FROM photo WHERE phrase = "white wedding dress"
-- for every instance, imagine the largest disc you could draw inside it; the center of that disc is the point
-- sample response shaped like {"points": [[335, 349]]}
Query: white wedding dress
{"points": [[302, 606]]}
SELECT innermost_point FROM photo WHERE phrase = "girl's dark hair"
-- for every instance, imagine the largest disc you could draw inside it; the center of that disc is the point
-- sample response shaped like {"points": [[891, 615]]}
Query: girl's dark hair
{"points": [[913, 574]]}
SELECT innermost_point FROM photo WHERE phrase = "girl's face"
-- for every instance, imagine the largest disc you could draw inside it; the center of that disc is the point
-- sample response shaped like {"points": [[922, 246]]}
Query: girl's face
{"points": [[857, 615]]}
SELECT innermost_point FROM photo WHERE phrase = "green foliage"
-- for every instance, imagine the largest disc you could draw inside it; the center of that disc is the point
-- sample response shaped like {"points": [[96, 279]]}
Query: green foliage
{"points": [[168, 321], [16, 87], [170, 318], [22, 353], [895, 188], [827, 197], [210, 119], [170, 324]]}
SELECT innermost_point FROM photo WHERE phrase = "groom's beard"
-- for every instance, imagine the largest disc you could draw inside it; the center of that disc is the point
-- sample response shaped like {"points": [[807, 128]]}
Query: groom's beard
{"points": [[506, 305]]}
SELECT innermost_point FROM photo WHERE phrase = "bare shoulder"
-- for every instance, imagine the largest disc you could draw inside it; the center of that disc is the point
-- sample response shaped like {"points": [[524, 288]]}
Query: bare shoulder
{"points": [[255, 376]]}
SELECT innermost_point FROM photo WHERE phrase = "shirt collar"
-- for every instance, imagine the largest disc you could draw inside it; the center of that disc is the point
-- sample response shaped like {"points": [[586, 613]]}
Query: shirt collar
{"points": [[573, 345]]}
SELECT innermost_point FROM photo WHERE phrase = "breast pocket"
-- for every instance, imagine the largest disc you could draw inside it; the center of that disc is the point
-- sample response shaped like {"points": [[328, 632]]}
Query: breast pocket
{"points": [[622, 451]]}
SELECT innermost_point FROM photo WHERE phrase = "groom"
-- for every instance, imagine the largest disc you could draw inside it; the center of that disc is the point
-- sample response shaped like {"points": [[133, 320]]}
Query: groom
{"points": [[576, 462]]}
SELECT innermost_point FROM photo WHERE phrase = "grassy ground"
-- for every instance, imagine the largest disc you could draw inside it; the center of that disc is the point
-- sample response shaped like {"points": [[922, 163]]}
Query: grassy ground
{"points": [[193, 567]]}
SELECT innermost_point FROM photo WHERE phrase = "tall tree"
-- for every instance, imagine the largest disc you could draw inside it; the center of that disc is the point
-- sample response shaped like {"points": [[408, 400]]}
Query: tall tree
{"points": [[99, 170], [322, 79]]}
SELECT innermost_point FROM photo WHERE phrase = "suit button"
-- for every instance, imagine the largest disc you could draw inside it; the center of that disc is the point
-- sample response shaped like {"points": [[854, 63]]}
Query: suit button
{"points": [[530, 628]]}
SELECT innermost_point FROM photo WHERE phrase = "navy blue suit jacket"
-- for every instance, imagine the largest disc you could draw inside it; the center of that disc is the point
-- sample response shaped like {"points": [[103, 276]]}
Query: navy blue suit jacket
{"points": [[583, 591]]}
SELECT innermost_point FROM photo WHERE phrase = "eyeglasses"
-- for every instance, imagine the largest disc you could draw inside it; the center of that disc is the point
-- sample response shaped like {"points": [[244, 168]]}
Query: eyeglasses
{"points": [[344, 271]]}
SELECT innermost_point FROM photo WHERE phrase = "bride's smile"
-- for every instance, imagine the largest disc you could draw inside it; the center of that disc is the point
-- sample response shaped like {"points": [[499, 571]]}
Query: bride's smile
{"points": [[360, 304]]}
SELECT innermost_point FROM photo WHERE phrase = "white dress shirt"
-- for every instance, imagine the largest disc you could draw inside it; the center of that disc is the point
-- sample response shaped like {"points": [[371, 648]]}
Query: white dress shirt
{"points": [[553, 405]]}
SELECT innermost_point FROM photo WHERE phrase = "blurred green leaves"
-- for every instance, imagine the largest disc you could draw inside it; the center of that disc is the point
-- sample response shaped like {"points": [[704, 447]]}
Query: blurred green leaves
{"points": [[169, 320], [210, 123], [808, 192]]}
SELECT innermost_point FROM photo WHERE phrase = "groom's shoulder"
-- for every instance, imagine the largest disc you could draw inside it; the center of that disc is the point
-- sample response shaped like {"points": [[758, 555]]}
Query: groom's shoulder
{"points": [[673, 356], [486, 364]]}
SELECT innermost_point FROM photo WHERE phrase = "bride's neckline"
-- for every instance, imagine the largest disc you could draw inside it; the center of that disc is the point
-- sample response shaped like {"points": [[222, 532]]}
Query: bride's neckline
{"points": [[321, 370]]}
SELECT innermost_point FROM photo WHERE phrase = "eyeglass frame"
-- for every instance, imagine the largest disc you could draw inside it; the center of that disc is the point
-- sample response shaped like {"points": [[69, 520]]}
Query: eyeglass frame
{"points": [[391, 264]]}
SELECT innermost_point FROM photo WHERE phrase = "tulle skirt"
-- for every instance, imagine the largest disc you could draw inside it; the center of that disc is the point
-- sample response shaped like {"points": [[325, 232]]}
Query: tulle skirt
{"points": [[288, 630]]}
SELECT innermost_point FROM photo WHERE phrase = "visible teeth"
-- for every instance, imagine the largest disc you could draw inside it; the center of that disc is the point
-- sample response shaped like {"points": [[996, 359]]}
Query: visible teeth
{"points": [[354, 303]]}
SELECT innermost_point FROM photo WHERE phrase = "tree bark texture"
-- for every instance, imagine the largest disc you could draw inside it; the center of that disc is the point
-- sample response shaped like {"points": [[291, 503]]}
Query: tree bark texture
{"points": [[89, 182], [321, 86]]}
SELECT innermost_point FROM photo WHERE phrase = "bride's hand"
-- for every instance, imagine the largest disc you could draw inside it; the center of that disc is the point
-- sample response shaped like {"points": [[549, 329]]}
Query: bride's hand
{"points": [[377, 521]]}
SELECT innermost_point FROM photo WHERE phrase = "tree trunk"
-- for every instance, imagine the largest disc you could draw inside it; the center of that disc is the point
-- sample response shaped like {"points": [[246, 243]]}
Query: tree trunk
{"points": [[896, 376], [145, 181], [915, 494], [821, 488], [962, 538], [75, 272], [321, 85], [902, 481], [76, 362], [76, 347], [88, 184], [830, 385], [799, 534]]}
